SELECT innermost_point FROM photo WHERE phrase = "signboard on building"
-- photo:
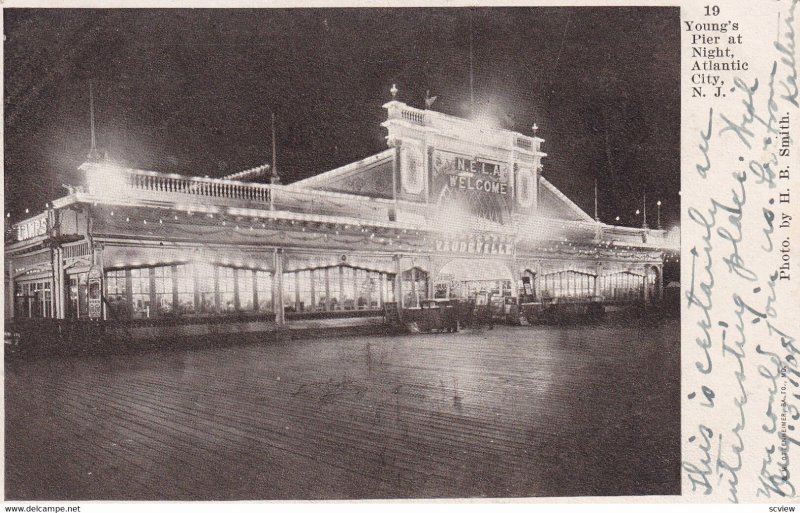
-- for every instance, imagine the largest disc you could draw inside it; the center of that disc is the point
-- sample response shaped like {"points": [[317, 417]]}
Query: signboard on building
{"points": [[481, 186], [471, 173], [32, 228], [470, 183], [473, 246]]}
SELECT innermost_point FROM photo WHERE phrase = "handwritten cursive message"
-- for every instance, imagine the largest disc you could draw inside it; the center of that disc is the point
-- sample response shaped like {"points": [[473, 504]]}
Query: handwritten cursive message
{"points": [[741, 373]]}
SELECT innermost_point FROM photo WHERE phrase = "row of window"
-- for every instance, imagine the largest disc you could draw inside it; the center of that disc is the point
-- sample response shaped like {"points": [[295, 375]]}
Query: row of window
{"points": [[186, 289], [336, 288], [205, 289], [414, 285], [33, 299], [567, 284], [470, 289], [202, 288], [618, 286], [621, 287]]}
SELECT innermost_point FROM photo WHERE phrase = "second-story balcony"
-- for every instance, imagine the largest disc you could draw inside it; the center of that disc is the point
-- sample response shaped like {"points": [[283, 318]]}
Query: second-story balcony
{"points": [[115, 184]]}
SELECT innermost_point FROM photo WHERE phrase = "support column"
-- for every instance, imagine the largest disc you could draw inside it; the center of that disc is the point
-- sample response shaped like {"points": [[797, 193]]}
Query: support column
{"points": [[516, 278], [10, 291], [431, 279], [153, 312], [395, 171], [255, 291], [175, 301], [277, 286], [59, 290], [216, 290], [398, 283], [236, 300], [646, 288], [597, 270]]}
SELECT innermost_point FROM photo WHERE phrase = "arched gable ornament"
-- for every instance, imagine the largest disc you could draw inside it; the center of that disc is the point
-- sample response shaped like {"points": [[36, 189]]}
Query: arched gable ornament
{"points": [[412, 174], [526, 187]]}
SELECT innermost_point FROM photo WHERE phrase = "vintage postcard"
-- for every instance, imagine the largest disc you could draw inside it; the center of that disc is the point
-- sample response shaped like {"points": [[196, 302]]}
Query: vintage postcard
{"points": [[540, 252]]}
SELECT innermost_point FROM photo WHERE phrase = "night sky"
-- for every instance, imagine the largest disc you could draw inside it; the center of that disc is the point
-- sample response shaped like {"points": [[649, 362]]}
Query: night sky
{"points": [[191, 91]]}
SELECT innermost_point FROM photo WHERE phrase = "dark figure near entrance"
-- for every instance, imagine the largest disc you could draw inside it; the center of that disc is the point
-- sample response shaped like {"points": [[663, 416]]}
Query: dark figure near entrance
{"points": [[483, 309], [489, 313]]}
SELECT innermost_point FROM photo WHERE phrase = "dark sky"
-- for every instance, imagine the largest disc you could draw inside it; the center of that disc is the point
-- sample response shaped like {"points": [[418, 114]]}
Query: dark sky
{"points": [[190, 91]]}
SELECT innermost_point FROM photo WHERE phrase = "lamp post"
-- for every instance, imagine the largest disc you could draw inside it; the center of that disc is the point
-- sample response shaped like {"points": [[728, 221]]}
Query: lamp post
{"points": [[658, 214]]}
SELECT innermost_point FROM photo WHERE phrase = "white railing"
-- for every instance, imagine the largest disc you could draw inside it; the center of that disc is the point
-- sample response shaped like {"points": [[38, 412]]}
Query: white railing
{"points": [[148, 186], [77, 250], [524, 143], [149, 181], [414, 115], [466, 130]]}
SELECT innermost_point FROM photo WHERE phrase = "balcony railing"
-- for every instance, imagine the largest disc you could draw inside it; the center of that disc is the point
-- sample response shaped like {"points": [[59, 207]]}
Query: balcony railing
{"points": [[468, 130], [415, 116], [206, 187], [524, 143], [170, 189]]}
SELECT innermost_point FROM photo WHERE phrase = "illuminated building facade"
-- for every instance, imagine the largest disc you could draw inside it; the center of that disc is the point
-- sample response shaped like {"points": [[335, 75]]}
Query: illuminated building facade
{"points": [[451, 208]]}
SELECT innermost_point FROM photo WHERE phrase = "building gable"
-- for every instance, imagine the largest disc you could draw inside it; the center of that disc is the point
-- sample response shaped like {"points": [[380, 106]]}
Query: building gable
{"points": [[371, 176], [554, 204]]}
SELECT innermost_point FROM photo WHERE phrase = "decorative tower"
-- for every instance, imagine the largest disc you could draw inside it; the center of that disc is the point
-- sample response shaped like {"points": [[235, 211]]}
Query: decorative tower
{"points": [[469, 169]]}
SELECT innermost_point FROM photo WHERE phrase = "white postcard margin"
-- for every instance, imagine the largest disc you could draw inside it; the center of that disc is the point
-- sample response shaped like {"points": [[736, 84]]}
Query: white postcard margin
{"points": [[740, 280]]}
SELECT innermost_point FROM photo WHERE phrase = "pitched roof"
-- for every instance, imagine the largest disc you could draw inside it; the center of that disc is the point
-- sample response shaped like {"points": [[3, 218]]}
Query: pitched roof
{"points": [[371, 176], [554, 204]]}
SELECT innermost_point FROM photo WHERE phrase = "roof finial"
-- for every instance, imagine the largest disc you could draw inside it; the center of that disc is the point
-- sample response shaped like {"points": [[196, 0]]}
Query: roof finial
{"points": [[429, 99], [393, 90], [535, 128], [93, 155]]}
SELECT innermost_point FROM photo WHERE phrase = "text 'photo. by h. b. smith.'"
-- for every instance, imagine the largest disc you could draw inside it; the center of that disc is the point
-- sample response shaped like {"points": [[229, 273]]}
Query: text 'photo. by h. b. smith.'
{"points": [[342, 253]]}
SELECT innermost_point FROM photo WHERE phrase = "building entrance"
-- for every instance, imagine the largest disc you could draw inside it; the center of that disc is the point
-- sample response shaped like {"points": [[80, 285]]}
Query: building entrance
{"points": [[466, 278]]}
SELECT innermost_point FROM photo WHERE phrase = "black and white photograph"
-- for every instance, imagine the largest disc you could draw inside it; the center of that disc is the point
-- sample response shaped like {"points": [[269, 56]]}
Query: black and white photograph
{"points": [[342, 253]]}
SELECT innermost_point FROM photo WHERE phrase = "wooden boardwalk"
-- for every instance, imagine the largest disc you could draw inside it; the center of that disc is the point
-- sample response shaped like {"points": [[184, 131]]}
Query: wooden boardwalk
{"points": [[509, 412]]}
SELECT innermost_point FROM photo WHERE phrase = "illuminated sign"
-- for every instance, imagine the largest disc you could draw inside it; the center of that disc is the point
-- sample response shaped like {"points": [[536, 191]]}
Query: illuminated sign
{"points": [[32, 228], [469, 183], [471, 174], [473, 246], [479, 167]]}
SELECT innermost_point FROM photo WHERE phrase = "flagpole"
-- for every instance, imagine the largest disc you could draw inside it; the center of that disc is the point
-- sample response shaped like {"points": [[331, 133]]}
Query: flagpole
{"points": [[644, 209], [471, 80], [274, 179], [274, 158]]}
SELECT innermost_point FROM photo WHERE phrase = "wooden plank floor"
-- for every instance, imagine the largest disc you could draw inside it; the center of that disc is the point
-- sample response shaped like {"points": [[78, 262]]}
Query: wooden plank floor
{"points": [[509, 412]]}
